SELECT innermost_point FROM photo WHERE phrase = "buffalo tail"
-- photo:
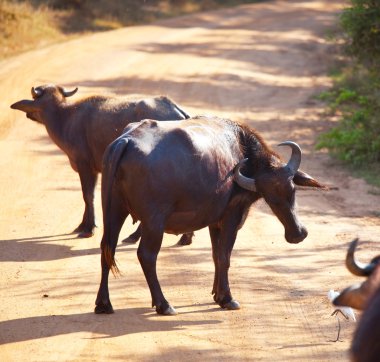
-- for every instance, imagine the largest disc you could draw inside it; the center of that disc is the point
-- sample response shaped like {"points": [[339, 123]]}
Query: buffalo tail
{"points": [[111, 161]]}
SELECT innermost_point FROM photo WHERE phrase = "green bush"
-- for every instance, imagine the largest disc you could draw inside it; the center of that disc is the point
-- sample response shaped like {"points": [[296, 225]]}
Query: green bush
{"points": [[355, 97], [357, 136], [361, 23]]}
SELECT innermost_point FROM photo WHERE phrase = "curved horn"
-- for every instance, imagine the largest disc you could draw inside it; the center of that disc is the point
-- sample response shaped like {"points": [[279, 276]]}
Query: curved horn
{"points": [[295, 158], [243, 181], [355, 267], [69, 93], [36, 92]]}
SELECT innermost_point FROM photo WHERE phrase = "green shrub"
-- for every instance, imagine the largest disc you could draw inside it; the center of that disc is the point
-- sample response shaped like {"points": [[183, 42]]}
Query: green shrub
{"points": [[361, 23], [355, 96]]}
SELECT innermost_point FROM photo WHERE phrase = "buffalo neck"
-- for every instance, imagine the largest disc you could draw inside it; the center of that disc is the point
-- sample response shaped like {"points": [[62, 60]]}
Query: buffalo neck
{"points": [[57, 122]]}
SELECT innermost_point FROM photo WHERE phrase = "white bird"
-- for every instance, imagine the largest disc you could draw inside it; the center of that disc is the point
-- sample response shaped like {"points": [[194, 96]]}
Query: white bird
{"points": [[347, 312]]}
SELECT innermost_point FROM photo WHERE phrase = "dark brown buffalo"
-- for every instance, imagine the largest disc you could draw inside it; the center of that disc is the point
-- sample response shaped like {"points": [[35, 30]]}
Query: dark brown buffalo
{"points": [[83, 129], [365, 296], [177, 177]]}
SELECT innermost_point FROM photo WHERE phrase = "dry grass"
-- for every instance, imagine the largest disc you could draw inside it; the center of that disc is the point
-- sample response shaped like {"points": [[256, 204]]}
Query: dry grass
{"points": [[23, 27], [28, 24]]}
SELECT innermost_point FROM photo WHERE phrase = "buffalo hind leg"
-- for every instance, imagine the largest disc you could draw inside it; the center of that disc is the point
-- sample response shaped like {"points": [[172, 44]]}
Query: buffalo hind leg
{"points": [[113, 221], [88, 180], [134, 237], [222, 243], [103, 303], [147, 252], [186, 239]]}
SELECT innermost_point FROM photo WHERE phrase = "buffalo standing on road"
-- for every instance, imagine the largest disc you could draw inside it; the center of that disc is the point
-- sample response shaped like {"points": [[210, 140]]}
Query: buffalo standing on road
{"points": [[366, 296], [177, 177], [84, 129]]}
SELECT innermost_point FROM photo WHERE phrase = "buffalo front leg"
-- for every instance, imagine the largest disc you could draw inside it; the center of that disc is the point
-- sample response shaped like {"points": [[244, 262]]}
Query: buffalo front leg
{"points": [[222, 245], [147, 252], [88, 180], [215, 239]]}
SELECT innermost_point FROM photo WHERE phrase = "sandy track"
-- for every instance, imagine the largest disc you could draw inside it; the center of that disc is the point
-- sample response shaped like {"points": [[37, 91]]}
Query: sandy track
{"points": [[260, 64]]}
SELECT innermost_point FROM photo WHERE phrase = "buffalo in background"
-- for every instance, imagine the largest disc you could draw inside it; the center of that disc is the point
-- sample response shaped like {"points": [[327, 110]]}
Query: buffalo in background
{"points": [[84, 128], [365, 296], [177, 177]]}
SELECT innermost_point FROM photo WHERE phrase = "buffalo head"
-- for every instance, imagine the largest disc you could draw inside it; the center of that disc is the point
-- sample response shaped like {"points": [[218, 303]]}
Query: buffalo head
{"points": [[365, 345], [357, 296], [276, 184], [44, 97]]}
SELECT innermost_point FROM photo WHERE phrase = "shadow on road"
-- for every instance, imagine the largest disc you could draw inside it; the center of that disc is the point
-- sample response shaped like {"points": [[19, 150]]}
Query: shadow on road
{"points": [[123, 322], [42, 248]]}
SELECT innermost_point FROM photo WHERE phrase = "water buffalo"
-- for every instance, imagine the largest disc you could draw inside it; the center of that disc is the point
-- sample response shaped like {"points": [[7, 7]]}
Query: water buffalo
{"points": [[178, 177], [84, 128], [365, 296]]}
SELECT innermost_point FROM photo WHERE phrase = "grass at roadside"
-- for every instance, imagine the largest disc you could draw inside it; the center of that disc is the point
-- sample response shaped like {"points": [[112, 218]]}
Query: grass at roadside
{"points": [[355, 96], [23, 27], [355, 139], [30, 24]]}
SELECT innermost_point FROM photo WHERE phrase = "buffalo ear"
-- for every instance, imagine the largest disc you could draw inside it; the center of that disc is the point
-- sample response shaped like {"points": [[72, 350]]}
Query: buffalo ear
{"points": [[303, 179], [25, 105]]}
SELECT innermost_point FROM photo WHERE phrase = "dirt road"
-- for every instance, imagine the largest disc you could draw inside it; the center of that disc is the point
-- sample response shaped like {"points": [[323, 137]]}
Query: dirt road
{"points": [[260, 64]]}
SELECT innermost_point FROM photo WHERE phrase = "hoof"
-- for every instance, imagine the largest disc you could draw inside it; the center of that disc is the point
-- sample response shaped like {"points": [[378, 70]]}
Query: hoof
{"points": [[84, 231], [185, 240], [85, 234], [102, 308], [232, 305], [168, 311]]}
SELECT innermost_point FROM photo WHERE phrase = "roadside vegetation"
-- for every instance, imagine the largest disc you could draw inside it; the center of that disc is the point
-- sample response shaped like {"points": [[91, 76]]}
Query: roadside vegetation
{"points": [[354, 98], [23, 27], [355, 95], [27, 24]]}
